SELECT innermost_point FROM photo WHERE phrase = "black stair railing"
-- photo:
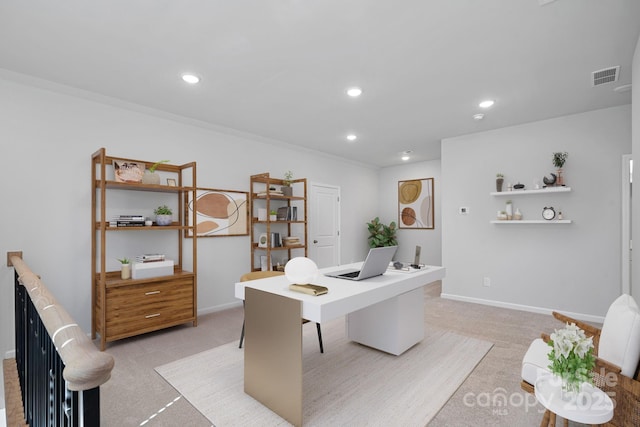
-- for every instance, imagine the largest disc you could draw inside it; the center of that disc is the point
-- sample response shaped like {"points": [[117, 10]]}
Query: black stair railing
{"points": [[59, 369]]}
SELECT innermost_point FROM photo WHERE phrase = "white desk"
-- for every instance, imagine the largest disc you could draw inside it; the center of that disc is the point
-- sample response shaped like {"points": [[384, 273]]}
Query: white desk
{"points": [[591, 405], [384, 312]]}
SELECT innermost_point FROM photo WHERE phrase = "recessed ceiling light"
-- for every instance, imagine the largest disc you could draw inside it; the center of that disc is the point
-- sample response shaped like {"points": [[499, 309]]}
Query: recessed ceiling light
{"points": [[352, 137], [478, 116], [191, 78], [405, 155], [354, 92], [486, 104]]}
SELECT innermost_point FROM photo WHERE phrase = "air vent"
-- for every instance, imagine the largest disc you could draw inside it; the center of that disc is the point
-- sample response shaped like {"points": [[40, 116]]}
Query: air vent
{"points": [[607, 75]]}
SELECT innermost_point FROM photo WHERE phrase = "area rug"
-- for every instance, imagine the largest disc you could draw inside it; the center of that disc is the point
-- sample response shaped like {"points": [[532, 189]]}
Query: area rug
{"points": [[349, 384]]}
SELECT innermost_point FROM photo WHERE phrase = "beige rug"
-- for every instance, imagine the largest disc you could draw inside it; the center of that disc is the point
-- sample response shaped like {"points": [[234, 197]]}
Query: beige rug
{"points": [[347, 385]]}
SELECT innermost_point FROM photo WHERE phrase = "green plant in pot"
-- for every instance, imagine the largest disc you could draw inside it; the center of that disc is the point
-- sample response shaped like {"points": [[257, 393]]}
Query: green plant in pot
{"points": [[150, 176], [381, 234], [559, 158], [287, 190], [163, 215]]}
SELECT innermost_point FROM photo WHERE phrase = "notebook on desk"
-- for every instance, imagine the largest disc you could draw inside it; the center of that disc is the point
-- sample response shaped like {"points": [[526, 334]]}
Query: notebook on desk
{"points": [[374, 265]]}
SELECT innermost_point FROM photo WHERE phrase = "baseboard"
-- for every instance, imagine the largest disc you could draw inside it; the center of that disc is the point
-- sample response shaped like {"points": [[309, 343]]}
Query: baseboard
{"points": [[532, 309], [217, 308]]}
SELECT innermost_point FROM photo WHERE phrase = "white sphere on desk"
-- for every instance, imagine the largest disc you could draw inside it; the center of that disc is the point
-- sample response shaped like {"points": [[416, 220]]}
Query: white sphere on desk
{"points": [[301, 271]]}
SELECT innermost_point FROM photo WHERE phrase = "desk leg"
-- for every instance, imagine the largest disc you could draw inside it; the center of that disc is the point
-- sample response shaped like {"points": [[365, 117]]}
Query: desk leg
{"points": [[273, 353]]}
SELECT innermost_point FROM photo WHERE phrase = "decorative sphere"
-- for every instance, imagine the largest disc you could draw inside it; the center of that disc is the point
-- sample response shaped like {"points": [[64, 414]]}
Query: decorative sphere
{"points": [[301, 271]]}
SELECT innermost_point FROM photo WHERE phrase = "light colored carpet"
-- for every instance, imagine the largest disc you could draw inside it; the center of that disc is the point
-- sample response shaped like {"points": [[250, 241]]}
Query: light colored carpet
{"points": [[347, 385]]}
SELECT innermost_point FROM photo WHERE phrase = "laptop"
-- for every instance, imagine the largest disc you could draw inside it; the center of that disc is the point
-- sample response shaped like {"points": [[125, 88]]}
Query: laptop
{"points": [[374, 265]]}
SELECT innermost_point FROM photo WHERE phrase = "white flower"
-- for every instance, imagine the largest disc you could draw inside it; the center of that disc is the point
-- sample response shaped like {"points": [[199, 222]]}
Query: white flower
{"points": [[583, 346]]}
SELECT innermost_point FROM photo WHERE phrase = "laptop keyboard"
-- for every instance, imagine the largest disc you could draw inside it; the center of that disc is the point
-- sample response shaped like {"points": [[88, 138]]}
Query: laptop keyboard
{"points": [[352, 274]]}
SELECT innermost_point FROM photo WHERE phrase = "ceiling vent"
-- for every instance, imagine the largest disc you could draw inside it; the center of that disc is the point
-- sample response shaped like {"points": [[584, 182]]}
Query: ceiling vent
{"points": [[607, 75]]}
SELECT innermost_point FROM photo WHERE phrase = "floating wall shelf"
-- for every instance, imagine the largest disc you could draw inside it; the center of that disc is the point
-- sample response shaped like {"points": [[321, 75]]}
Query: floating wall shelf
{"points": [[536, 221], [527, 192]]}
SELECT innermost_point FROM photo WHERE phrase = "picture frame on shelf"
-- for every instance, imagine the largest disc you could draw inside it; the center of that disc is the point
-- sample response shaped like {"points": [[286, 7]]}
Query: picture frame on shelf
{"points": [[415, 204], [128, 171], [219, 213], [171, 182]]}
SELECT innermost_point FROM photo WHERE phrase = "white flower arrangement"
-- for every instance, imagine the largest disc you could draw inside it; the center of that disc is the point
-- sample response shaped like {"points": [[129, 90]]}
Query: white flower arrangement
{"points": [[572, 356]]}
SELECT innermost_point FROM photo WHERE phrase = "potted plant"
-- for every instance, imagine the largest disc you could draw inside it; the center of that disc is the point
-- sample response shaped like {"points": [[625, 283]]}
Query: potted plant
{"points": [[381, 234], [499, 182], [125, 270], [287, 190], [150, 176], [559, 158], [163, 215], [273, 215]]}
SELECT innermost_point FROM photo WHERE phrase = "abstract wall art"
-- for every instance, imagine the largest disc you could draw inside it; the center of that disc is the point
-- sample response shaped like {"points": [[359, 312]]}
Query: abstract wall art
{"points": [[415, 204], [219, 213]]}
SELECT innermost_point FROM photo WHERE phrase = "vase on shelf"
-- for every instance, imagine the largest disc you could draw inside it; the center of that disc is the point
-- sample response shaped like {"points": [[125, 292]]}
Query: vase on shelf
{"points": [[164, 219], [560, 178], [150, 178], [499, 182], [125, 271]]}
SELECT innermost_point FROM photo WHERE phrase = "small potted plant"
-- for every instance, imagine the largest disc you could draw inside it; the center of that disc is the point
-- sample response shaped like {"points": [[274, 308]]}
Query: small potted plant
{"points": [[499, 182], [150, 176], [287, 190], [559, 158], [125, 270], [163, 215], [273, 215]]}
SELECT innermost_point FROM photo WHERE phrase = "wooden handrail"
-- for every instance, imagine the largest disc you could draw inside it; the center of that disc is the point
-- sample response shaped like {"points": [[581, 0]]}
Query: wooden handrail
{"points": [[85, 366]]}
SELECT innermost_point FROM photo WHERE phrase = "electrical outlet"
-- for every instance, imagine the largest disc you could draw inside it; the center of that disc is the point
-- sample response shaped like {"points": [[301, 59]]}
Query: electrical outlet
{"points": [[486, 282]]}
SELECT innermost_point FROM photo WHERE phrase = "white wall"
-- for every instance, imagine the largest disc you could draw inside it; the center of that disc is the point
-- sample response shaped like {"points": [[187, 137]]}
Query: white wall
{"points": [[429, 240], [46, 142], [574, 268], [635, 100]]}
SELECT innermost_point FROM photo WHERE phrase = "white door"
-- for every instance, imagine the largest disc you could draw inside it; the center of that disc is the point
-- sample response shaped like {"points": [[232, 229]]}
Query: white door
{"points": [[324, 225]]}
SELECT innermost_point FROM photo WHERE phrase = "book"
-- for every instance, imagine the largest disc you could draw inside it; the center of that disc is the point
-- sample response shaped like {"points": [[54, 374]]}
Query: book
{"points": [[309, 289]]}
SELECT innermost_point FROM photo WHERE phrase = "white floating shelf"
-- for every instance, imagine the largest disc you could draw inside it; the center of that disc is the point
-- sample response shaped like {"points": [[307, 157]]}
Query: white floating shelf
{"points": [[523, 192], [533, 221]]}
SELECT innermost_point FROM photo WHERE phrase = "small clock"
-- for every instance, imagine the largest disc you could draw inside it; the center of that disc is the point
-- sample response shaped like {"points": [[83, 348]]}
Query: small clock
{"points": [[548, 213]]}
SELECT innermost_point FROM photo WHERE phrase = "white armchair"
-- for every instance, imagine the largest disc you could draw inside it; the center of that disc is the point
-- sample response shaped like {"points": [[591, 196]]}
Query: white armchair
{"points": [[617, 347]]}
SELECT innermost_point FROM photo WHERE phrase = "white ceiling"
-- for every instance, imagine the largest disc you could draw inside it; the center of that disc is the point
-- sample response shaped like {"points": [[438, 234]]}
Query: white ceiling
{"points": [[279, 69]]}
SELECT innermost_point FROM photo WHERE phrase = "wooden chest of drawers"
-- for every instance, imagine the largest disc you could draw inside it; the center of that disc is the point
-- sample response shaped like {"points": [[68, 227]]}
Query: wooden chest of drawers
{"points": [[135, 307]]}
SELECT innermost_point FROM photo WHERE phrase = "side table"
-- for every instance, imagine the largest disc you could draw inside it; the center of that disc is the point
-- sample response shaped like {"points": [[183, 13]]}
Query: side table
{"points": [[590, 406]]}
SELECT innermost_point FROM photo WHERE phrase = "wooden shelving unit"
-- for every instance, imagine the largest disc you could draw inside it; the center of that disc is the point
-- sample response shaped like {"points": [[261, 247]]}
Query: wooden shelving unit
{"points": [[265, 194], [123, 308]]}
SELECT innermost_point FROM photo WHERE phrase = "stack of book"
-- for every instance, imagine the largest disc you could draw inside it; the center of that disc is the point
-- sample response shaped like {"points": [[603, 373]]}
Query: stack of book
{"points": [[127, 221], [291, 241], [150, 258]]}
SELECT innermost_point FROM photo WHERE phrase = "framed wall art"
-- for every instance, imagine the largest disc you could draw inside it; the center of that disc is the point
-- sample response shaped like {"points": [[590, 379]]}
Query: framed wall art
{"points": [[218, 213], [128, 171], [415, 204]]}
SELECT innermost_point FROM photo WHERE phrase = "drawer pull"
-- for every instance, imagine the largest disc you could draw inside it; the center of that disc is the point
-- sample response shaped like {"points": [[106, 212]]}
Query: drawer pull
{"points": [[149, 316], [152, 293]]}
